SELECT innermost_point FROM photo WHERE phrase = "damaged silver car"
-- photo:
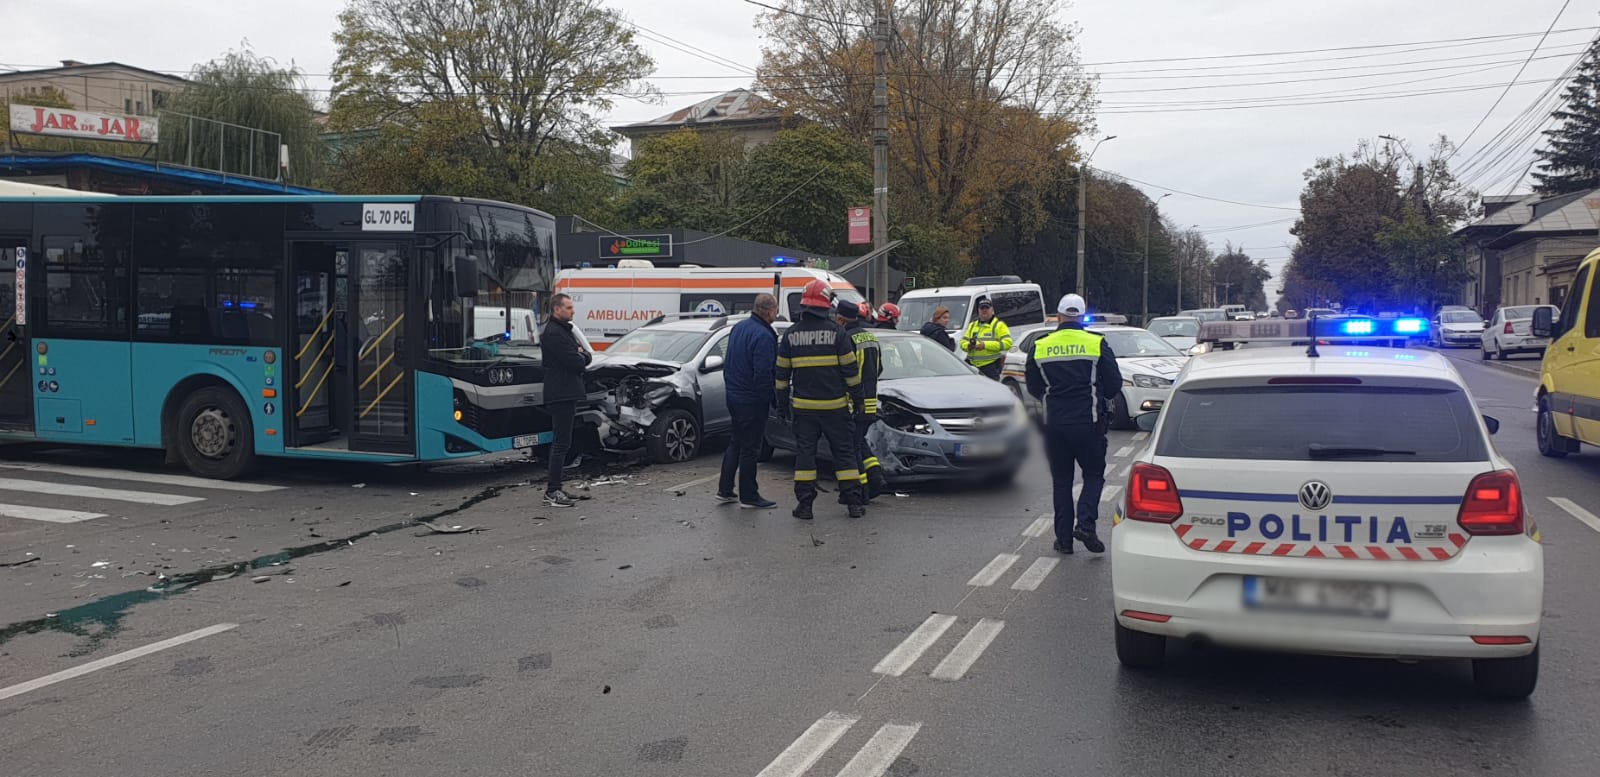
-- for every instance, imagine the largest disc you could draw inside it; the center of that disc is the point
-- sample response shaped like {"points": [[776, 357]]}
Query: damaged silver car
{"points": [[660, 388]]}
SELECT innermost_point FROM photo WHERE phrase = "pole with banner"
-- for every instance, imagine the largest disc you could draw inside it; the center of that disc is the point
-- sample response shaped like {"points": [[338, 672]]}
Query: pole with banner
{"points": [[860, 220]]}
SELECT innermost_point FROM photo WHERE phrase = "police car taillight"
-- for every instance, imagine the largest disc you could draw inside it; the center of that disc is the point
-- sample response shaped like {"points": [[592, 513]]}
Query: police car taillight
{"points": [[1153, 495], [1493, 505]]}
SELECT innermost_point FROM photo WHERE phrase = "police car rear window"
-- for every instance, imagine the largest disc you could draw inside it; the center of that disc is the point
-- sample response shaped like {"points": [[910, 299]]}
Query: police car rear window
{"points": [[1290, 422]]}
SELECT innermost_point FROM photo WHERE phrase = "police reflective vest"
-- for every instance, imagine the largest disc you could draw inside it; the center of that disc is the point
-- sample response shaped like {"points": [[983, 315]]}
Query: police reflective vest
{"points": [[1073, 371], [817, 365], [869, 365], [986, 343]]}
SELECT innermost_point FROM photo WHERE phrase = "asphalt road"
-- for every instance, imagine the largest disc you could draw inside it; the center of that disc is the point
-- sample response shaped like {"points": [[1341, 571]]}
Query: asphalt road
{"points": [[651, 632]]}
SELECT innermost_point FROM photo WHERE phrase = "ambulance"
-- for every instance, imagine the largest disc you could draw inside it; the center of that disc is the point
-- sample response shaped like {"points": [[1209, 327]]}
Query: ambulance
{"points": [[613, 302]]}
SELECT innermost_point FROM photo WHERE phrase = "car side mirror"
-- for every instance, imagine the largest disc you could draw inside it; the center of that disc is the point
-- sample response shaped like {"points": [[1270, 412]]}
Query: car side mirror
{"points": [[1493, 424], [1543, 322], [466, 272], [1147, 421], [712, 364]]}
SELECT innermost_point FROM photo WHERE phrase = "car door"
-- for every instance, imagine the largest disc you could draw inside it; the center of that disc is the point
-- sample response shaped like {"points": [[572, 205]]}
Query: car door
{"points": [[1571, 361], [714, 417]]}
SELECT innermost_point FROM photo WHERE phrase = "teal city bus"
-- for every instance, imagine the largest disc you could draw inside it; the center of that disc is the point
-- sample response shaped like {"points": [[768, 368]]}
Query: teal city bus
{"points": [[226, 328]]}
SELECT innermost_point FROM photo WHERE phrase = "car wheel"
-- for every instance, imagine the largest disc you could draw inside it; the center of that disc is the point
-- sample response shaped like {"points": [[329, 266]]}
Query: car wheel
{"points": [[1138, 650], [1507, 678], [1551, 443], [214, 435], [1483, 352], [1119, 413], [1015, 389], [1500, 352], [674, 437]]}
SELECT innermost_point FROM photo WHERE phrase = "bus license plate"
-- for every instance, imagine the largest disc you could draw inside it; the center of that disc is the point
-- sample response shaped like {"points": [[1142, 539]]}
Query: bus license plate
{"points": [[1324, 596], [531, 440], [979, 450]]}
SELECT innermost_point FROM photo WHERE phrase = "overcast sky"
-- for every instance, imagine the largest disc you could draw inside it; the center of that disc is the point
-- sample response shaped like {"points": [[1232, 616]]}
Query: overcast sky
{"points": [[1252, 155]]}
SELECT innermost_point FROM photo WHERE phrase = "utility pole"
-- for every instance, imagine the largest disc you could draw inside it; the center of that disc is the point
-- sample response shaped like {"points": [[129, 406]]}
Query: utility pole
{"points": [[1183, 260], [1148, 218], [1083, 210], [880, 147]]}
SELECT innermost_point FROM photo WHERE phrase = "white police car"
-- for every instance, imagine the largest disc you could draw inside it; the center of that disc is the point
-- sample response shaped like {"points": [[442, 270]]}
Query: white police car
{"points": [[1348, 503]]}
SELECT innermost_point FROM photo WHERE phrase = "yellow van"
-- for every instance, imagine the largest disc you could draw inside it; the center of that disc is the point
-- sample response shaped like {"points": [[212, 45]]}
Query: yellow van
{"points": [[1569, 379]]}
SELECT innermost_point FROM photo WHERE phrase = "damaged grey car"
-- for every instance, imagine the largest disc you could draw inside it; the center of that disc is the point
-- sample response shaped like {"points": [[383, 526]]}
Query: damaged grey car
{"points": [[660, 388]]}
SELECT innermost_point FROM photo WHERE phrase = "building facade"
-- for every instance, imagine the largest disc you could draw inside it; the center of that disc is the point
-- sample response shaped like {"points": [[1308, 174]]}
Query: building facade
{"points": [[1526, 248], [105, 87], [743, 113]]}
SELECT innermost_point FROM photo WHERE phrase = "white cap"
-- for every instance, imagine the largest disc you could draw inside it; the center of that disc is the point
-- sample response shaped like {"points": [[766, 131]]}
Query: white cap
{"points": [[1072, 305]]}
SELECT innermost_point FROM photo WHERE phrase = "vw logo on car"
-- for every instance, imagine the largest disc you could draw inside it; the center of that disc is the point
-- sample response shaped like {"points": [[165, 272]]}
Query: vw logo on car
{"points": [[1315, 495]]}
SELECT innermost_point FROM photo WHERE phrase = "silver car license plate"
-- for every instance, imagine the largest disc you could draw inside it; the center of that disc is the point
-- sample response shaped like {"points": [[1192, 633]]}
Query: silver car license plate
{"points": [[1337, 597], [979, 450], [531, 440]]}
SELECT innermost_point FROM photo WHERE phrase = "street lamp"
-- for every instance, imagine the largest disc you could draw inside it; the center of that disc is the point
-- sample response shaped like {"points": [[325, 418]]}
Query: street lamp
{"points": [[1149, 217], [1083, 207]]}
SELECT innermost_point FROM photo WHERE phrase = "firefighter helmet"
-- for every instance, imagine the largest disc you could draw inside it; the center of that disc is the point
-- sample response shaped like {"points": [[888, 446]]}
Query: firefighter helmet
{"points": [[817, 295], [889, 312]]}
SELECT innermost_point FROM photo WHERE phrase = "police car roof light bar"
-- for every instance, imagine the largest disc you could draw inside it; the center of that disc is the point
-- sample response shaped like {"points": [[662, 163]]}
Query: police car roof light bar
{"points": [[1311, 332]]}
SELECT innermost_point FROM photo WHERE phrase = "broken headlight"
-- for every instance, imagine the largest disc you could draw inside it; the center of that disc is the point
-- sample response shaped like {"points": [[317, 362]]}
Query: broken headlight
{"points": [[901, 418]]}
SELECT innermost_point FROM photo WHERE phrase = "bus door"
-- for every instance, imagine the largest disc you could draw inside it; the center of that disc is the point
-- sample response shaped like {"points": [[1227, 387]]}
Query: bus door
{"points": [[16, 352], [317, 375]]}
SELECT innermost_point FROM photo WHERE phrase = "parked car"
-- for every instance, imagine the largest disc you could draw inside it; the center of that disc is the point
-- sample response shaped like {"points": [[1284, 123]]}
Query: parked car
{"points": [[1511, 331], [1456, 327], [1179, 331], [1013, 376], [938, 417], [1148, 364], [659, 387]]}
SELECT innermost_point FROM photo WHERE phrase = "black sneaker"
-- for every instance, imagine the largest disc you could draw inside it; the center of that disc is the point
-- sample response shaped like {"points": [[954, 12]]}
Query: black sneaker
{"points": [[1064, 549], [726, 499], [759, 503], [558, 499], [803, 512], [857, 511], [1089, 540]]}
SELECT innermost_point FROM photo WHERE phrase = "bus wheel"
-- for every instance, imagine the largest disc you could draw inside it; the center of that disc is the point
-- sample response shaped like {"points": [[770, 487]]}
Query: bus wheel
{"points": [[214, 434]]}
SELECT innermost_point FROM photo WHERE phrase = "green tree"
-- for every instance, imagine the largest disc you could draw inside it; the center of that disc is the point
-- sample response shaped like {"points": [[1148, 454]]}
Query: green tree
{"points": [[683, 179], [244, 97], [1427, 264], [796, 190], [1570, 160], [493, 98], [1239, 279]]}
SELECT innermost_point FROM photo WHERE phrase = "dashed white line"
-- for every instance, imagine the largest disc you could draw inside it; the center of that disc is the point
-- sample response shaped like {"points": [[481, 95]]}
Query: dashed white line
{"points": [[878, 754], [1039, 526], [123, 657], [95, 492], [692, 483], [1577, 512], [967, 651], [914, 645], [47, 514], [1035, 574], [147, 477], [1141, 436], [1126, 449], [992, 572], [810, 747]]}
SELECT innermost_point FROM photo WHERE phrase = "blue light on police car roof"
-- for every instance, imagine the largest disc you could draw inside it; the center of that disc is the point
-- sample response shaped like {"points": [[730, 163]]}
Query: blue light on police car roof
{"points": [[1410, 326], [1356, 327]]}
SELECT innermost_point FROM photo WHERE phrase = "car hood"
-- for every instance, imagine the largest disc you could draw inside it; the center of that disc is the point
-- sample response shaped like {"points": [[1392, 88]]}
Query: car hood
{"points": [[619, 365], [1162, 366], [1179, 341], [949, 392]]}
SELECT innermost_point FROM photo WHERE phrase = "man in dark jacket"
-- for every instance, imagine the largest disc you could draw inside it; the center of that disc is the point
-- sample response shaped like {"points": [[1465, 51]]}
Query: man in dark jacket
{"points": [[748, 373], [564, 361], [938, 328], [816, 377], [1075, 374], [864, 396]]}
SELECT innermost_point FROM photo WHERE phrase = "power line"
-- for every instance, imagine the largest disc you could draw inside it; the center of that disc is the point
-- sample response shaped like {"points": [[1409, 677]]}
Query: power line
{"points": [[1514, 78], [808, 16]]}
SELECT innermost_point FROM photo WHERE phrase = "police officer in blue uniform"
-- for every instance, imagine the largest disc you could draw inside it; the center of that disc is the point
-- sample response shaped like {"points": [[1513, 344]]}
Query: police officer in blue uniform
{"points": [[1074, 373]]}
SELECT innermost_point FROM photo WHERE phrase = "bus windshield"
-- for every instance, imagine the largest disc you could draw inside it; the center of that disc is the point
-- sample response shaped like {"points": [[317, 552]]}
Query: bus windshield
{"points": [[517, 265]]}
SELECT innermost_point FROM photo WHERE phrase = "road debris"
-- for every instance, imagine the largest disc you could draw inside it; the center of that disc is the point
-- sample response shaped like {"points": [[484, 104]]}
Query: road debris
{"points": [[454, 529], [20, 563]]}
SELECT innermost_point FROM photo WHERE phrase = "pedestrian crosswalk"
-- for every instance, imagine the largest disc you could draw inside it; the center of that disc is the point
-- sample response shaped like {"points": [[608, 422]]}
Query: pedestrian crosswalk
{"points": [[56, 493]]}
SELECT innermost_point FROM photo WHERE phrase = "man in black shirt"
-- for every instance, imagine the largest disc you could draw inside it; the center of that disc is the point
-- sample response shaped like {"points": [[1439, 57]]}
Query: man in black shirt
{"points": [[564, 362]]}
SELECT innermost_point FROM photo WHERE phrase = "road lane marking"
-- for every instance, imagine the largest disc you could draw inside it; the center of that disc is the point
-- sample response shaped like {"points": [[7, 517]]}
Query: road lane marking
{"points": [[810, 747], [1577, 512], [967, 651], [147, 477], [1039, 526], [95, 492], [1141, 436], [1121, 472], [1127, 449], [991, 573], [914, 645], [695, 482], [47, 514], [108, 661], [878, 754], [1035, 574]]}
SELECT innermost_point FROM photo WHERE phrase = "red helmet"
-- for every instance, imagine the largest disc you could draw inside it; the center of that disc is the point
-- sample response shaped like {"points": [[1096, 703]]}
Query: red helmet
{"points": [[889, 312], [866, 310], [817, 295]]}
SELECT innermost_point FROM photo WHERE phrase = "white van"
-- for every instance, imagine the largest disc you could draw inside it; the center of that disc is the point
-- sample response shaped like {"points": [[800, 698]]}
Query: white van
{"points": [[1015, 302], [487, 321], [613, 302]]}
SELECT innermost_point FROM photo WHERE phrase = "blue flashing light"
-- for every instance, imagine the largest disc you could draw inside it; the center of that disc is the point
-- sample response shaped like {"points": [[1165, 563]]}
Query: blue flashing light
{"points": [[227, 303], [784, 261], [1357, 327], [248, 305], [1088, 319], [1410, 326]]}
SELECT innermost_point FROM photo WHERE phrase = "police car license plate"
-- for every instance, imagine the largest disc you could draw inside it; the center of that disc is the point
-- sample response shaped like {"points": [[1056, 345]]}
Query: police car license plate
{"points": [[1325, 596], [979, 450], [530, 440]]}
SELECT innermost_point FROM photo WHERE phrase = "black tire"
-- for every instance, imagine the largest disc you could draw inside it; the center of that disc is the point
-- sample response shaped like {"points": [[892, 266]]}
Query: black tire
{"points": [[1551, 443], [1138, 650], [674, 437], [213, 434], [1483, 352], [1119, 413], [1507, 678], [1500, 354]]}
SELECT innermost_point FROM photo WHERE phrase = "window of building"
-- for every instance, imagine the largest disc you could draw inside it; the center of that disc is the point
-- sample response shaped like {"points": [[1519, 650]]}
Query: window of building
{"points": [[127, 105], [138, 108], [158, 99]]}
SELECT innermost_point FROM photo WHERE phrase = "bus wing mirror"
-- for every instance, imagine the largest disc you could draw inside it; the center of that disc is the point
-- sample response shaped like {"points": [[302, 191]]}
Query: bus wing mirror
{"points": [[1543, 322], [466, 272]]}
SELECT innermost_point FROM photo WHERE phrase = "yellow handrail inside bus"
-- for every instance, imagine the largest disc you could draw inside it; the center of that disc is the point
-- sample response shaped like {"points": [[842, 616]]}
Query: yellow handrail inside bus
{"points": [[382, 394], [314, 362], [7, 324], [380, 338], [314, 334], [376, 372], [315, 391], [7, 351]]}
